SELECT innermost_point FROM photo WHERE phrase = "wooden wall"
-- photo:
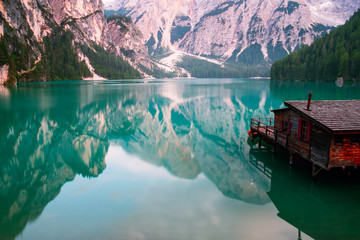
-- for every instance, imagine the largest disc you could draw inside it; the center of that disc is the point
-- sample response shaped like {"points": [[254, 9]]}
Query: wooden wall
{"points": [[295, 145], [320, 146]]}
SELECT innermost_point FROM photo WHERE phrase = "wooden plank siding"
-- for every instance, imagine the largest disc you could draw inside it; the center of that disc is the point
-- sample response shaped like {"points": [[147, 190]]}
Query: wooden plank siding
{"points": [[294, 145], [320, 145]]}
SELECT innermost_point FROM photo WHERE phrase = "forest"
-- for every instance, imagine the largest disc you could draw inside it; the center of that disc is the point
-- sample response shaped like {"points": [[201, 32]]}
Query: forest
{"points": [[204, 69], [62, 61], [108, 65], [337, 54]]}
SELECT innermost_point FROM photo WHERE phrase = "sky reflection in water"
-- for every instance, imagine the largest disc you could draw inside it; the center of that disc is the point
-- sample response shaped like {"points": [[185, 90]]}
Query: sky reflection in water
{"points": [[136, 200]]}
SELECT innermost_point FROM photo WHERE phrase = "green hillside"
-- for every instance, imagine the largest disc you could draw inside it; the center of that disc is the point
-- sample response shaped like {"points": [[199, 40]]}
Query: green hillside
{"points": [[337, 54], [204, 69]]}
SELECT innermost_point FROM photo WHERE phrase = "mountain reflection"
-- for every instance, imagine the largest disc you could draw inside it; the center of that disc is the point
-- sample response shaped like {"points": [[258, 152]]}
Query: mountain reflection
{"points": [[192, 135], [49, 133], [64, 130], [39, 154]]}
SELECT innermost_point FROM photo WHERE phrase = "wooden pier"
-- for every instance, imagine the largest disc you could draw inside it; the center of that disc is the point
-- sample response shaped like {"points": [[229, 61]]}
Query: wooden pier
{"points": [[265, 131]]}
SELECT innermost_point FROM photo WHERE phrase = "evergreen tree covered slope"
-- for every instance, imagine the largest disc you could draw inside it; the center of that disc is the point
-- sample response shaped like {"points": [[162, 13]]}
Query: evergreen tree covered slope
{"points": [[43, 40], [337, 54]]}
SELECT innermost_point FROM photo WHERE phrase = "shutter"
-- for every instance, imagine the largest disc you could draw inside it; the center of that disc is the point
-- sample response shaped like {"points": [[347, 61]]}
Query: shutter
{"points": [[289, 128], [308, 131], [299, 129], [281, 125]]}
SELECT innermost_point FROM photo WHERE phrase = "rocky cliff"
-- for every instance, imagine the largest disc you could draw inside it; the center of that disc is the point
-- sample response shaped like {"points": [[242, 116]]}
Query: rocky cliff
{"points": [[240, 31], [128, 41], [38, 38]]}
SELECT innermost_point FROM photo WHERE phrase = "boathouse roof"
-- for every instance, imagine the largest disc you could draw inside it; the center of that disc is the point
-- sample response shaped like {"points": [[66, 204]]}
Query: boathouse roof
{"points": [[336, 116]]}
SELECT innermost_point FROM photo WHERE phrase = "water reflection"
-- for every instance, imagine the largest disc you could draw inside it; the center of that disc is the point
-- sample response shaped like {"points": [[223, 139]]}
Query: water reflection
{"points": [[299, 90], [327, 209], [50, 133], [64, 130], [39, 154]]}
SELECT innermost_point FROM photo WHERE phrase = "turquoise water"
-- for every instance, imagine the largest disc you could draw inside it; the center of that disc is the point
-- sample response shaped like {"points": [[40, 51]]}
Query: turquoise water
{"points": [[162, 159]]}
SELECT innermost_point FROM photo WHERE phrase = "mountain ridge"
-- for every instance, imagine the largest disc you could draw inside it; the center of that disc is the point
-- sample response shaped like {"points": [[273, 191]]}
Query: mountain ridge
{"points": [[42, 40], [239, 31]]}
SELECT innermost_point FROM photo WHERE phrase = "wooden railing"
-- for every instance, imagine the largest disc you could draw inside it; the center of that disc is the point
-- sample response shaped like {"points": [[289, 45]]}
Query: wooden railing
{"points": [[265, 127], [261, 166]]}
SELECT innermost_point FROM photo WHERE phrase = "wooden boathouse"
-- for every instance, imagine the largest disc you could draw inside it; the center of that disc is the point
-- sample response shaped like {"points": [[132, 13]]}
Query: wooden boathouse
{"points": [[325, 133]]}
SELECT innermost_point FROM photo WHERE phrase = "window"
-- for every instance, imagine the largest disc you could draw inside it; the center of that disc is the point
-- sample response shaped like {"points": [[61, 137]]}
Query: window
{"points": [[285, 126], [304, 130]]}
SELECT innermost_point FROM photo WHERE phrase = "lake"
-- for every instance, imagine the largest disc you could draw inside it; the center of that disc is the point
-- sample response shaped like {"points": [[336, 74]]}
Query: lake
{"points": [[162, 159]]}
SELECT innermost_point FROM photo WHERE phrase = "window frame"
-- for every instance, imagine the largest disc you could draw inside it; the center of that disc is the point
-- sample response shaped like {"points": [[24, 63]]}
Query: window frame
{"points": [[304, 130], [284, 126]]}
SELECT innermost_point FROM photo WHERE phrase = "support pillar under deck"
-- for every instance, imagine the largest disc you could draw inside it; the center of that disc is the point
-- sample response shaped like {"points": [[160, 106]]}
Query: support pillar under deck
{"points": [[315, 171]]}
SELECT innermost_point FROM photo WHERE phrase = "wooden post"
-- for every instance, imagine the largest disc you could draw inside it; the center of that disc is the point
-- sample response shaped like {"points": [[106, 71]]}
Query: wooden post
{"points": [[315, 171], [266, 130], [313, 175], [259, 141], [299, 234], [287, 141], [275, 139]]}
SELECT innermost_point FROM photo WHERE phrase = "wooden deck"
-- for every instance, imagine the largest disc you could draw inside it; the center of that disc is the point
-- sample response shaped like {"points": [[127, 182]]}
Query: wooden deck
{"points": [[264, 127]]}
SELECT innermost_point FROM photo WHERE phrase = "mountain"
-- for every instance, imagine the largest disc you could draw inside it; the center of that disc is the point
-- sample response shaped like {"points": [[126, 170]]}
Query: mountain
{"points": [[236, 32], [336, 55], [44, 40]]}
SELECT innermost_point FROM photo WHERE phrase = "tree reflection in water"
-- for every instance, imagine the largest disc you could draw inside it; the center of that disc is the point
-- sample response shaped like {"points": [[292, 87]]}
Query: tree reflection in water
{"points": [[325, 209]]}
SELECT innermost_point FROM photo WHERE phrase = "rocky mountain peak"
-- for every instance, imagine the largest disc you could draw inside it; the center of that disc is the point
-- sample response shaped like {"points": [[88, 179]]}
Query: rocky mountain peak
{"points": [[63, 9], [237, 31]]}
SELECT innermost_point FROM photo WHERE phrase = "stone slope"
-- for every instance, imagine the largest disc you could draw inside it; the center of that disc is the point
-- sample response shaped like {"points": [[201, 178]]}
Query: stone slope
{"points": [[236, 31]]}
